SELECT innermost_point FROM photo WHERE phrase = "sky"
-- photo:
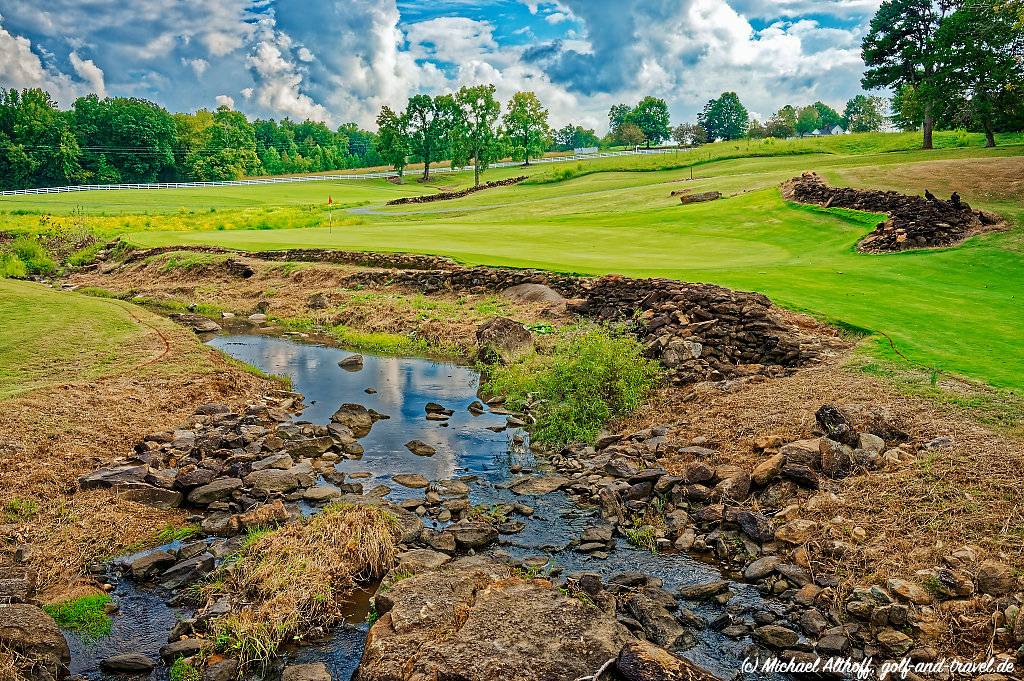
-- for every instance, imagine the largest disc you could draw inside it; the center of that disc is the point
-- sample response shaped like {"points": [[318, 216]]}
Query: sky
{"points": [[339, 61]]}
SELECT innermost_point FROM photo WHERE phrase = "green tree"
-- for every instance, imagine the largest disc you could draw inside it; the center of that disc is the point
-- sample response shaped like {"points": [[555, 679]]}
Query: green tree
{"points": [[228, 151], [981, 55], [689, 135], [899, 51], [756, 130], [474, 136], [393, 143], [827, 116], [574, 137], [808, 119], [526, 126], [136, 135], [37, 145], [430, 119], [630, 135], [617, 116], [782, 124], [725, 117], [652, 117], [864, 114]]}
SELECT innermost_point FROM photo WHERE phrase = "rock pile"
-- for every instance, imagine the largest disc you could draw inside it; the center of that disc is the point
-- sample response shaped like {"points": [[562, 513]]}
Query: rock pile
{"points": [[445, 196], [914, 222], [751, 522]]}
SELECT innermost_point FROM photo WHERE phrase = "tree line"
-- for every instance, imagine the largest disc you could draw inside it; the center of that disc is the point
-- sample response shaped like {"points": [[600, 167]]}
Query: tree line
{"points": [[129, 140]]}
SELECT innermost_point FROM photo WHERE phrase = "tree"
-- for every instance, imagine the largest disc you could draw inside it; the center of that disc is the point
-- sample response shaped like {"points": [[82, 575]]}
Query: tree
{"points": [[474, 136], [631, 135], [725, 117], [652, 117], [864, 114], [899, 51], [526, 126], [229, 149], [689, 135], [393, 139], [980, 49], [756, 130], [808, 119], [827, 116], [782, 124], [430, 119], [617, 117], [136, 136], [37, 145], [574, 137]]}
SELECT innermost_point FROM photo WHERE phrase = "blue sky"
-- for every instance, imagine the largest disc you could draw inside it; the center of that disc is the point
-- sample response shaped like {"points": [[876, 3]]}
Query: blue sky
{"points": [[340, 60]]}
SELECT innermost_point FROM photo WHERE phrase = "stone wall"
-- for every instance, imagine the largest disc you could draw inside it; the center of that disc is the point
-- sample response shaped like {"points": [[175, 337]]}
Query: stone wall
{"points": [[445, 196], [914, 221]]}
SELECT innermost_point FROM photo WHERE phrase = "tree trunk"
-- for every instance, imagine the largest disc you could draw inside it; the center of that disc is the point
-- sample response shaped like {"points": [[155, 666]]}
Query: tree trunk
{"points": [[929, 124], [476, 168], [990, 135], [426, 170]]}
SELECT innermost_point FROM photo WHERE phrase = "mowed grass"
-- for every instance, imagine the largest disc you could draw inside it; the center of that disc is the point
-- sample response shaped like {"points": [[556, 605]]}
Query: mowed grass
{"points": [[956, 310], [53, 337]]}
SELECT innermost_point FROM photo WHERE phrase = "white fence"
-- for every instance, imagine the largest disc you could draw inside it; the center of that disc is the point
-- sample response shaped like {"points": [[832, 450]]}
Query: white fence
{"points": [[319, 178]]}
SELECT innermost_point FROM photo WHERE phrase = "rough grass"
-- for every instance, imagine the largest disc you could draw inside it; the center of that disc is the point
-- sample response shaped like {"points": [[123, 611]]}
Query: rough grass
{"points": [[287, 581], [87, 616], [589, 377]]}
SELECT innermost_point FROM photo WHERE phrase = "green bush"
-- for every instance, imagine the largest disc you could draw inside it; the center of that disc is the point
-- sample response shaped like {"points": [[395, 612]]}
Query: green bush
{"points": [[35, 258], [590, 377], [85, 255], [86, 615], [11, 266]]}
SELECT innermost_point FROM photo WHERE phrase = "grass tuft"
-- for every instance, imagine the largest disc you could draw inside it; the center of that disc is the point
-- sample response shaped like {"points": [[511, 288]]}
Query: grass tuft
{"points": [[86, 616]]}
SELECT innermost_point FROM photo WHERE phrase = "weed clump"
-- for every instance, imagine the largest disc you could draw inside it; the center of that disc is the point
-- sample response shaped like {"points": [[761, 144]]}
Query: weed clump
{"points": [[292, 579], [589, 377]]}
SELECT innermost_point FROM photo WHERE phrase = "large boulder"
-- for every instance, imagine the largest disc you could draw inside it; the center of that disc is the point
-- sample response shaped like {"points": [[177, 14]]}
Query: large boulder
{"points": [[533, 293], [472, 620], [40, 649], [502, 340]]}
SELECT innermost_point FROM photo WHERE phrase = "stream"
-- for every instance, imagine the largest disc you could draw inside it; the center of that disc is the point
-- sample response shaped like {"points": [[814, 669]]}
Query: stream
{"points": [[466, 449]]}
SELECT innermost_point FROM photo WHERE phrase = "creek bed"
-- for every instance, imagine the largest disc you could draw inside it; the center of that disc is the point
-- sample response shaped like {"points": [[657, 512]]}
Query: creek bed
{"points": [[467, 449]]}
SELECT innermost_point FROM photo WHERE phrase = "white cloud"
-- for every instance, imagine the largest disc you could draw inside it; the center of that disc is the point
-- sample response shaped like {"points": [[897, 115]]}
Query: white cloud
{"points": [[225, 100], [197, 65], [90, 73], [20, 68], [557, 18]]}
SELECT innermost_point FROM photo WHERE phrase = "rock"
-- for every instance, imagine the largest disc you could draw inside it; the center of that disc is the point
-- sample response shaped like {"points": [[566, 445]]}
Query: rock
{"points": [[757, 526], [761, 568], [658, 623], [767, 470], [148, 495], [836, 458], [265, 515], [274, 461], [643, 661], [502, 340], [894, 643], [870, 443], [128, 663], [149, 564], [42, 652], [411, 480], [533, 293], [355, 417], [471, 621], [316, 671], [699, 197], [187, 571], [700, 592], [421, 560], [114, 475], [776, 636], [735, 487], [320, 494], [796, 531], [272, 481], [539, 486], [215, 491], [909, 591], [995, 578], [472, 535], [351, 363], [696, 473], [222, 670], [813, 622], [186, 647], [836, 425], [318, 301], [420, 448], [197, 323]]}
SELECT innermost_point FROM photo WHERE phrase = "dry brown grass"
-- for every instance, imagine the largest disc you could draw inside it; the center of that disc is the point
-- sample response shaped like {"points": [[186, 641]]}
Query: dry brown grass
{"points": [[291, 581], [51, 436], [914, 514], [976, 179]]}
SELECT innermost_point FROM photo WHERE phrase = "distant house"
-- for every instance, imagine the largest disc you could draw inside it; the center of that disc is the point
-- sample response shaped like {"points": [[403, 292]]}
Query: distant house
{"points": [[835, 130]]}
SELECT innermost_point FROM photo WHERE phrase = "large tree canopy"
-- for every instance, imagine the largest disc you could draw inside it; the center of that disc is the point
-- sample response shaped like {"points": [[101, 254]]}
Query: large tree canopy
{"points": [[475, 135], [725, 117], [526, 126], [652, 117], [430, 120]]}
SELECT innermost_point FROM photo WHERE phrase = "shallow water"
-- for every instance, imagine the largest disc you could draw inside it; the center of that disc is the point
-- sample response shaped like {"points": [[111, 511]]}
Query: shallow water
{"points": [[465, 447]]}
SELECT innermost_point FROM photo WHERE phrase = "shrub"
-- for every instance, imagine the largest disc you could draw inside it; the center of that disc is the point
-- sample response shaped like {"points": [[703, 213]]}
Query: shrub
{"points": [[35, 258], [11, 267], [590, 377], [85, 255]]}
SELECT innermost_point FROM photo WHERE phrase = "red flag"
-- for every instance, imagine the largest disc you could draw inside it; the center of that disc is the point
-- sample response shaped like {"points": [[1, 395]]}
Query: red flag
{"points": [[330, 200]]}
